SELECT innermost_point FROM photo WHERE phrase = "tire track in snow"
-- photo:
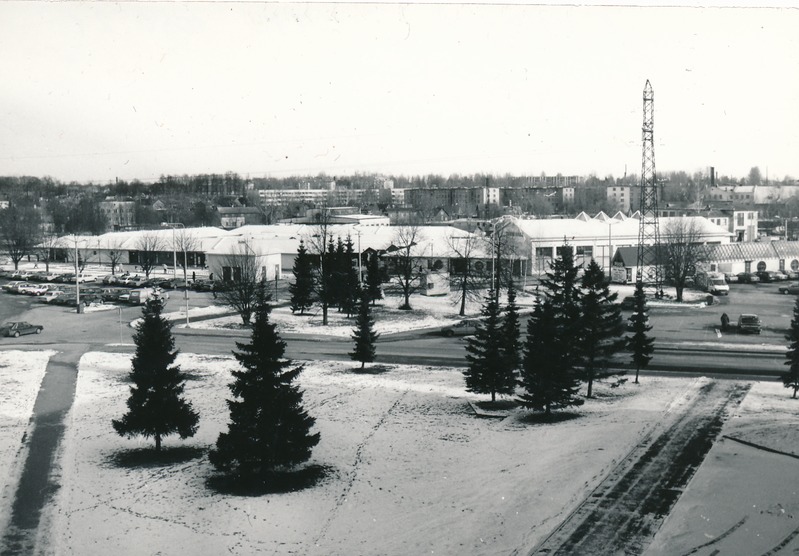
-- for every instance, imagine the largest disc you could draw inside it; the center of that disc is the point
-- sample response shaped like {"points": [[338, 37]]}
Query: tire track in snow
{"points": [[622, 514], [354, 474]]}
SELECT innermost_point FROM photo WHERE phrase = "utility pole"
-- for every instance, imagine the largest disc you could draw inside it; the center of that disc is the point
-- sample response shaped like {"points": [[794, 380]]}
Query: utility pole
{"points": [[649, 247]]}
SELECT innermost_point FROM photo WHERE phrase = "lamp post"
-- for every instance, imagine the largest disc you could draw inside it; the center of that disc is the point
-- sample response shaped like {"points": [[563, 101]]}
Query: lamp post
{"points": [[174, 225], [77, 279]]}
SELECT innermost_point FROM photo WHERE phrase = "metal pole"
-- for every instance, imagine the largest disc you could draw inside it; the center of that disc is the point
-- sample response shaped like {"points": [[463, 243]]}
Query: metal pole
{"points": [[175, 256], [77, 278], [360, 255], [186, 284], [119, 310]]}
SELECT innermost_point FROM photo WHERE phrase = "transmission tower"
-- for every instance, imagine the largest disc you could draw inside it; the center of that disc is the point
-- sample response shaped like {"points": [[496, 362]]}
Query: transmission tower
{"points": [[649, 228]]}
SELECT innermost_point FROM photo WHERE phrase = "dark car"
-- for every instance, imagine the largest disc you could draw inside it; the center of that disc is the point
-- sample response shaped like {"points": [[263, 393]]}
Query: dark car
{"points": [[790, 289], [748, 278], [749, 323], [767, 276], [461, 328], [17, 329]]}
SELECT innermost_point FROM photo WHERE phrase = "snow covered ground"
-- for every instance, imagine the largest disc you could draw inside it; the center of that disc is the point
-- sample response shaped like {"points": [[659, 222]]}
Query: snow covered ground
{"points": [[410, 468], [429, 312], [21, 375]]}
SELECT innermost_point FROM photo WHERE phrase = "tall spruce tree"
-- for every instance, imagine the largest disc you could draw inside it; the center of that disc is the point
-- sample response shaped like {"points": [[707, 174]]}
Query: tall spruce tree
{"points": [[351, 286], [511, 330], [364, 334], [373, 279], [602, 326], [640, 344], [561, 287], [487, 370], [269, 429], [791, 377], [547, 370], [302, 288], [156, 407]]}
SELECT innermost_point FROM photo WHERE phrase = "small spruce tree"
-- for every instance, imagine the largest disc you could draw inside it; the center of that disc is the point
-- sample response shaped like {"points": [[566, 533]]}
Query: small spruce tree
{"points": [[602, 326], [547, 375], [373, 279], [156, 407], [364, 334], [640, 344], [487, 370], [791, 377], [511, 329], [269, 429], [301, 289]]}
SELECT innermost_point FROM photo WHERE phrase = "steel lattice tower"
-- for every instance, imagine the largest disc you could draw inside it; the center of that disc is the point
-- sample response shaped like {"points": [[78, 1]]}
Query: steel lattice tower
{"points": [[649, 228]]}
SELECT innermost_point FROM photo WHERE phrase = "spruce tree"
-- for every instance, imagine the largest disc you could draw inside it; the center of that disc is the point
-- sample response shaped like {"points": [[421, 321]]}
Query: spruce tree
{"points": [[364, 334], [351, 286], [156, 407], [791, 377], [602, 326], [561, 286], [511, 329], [373, 279], [547, 376], [640, 344], [488, 371], [269, 429], [301, 289]]}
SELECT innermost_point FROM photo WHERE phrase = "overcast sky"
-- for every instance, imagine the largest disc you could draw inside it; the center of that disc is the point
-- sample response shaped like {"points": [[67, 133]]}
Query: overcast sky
{"points": [[93, 91]]}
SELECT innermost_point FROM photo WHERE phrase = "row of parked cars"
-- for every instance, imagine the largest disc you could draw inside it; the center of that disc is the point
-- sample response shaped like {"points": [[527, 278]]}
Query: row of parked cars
{"points": [[762, 276]]}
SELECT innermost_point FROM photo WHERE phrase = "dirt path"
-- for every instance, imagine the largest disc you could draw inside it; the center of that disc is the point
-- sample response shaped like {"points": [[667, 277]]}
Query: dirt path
{"points": [[35, 487], [623, 513]]}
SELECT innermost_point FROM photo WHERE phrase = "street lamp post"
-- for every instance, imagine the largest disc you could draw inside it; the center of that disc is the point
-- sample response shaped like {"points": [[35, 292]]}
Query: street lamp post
{"points": [[174, 225]]}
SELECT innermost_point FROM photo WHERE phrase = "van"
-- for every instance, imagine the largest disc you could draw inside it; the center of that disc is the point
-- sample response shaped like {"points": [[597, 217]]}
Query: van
{"points": [[140, 297]]}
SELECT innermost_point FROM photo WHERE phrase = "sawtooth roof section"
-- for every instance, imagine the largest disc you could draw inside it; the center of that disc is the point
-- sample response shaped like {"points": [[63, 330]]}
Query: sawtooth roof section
{"points": [[786, 249], [601, 216]]}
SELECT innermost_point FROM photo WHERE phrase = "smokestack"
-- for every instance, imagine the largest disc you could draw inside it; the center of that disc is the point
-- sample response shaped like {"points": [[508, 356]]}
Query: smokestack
{"points": [[712, 176]]}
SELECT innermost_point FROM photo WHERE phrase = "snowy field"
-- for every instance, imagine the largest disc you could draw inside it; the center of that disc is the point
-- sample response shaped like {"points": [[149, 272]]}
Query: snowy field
{"points": [[428, 313], [409, 468], [21, 375]]}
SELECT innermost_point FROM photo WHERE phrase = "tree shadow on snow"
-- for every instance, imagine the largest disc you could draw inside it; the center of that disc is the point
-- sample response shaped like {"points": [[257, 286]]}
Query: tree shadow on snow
{"points": [[276, 482], [148, 457], [498, 405], [541, 418], [371, 370]]}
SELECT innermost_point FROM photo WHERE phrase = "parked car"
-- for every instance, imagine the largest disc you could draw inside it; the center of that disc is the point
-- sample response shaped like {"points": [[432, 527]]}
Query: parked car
{"points": [[780, 276], [749, 323], [17, 329], [111, 294], [730, 277], [768, 276], [33, 289], [790, 289], [50, 296], [11, 286], [748, 278], [461, 328]]}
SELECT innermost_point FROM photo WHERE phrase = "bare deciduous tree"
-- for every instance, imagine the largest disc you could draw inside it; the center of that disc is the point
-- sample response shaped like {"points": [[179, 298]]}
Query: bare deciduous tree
{"points": [[148, 246], [185, 242], [406, 268], [318, 245], [683, 249], [19, 226], [469, 280], [241, 278]]}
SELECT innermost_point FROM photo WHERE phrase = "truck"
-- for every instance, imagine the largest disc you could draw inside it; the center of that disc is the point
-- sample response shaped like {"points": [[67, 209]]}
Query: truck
{"points": [[711, 282]]}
